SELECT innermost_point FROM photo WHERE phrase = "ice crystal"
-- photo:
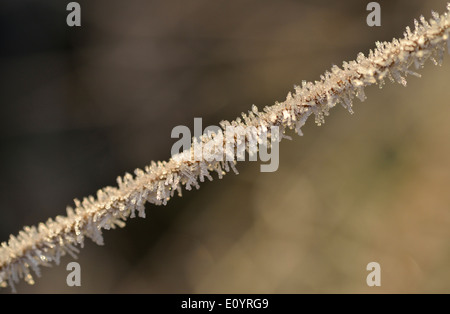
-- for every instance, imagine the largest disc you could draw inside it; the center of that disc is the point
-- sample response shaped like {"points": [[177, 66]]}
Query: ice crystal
{"points": [[45, 244]]}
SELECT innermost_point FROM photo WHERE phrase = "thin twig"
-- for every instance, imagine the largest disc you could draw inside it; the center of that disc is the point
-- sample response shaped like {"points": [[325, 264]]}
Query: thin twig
{"points": [[48, 242]]}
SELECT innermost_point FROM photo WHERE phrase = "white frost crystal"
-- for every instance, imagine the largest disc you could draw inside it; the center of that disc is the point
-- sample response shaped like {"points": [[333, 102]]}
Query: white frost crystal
{"points": [[46, 243]]}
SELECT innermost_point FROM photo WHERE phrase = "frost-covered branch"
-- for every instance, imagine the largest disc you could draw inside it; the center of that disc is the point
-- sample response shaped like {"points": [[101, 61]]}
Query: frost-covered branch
{"points": [[46, 243]]}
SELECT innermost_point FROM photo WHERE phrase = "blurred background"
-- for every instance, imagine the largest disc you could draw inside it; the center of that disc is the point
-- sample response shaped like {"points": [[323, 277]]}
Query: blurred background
{"points": [[80, 106]]}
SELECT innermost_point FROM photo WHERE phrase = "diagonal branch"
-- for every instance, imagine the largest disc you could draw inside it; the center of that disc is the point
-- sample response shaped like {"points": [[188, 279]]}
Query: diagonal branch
{"points": [[46, 243]]}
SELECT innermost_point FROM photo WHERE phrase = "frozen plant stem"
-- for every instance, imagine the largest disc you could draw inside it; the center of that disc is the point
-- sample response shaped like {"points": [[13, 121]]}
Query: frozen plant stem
{"points": [[48, 242]]}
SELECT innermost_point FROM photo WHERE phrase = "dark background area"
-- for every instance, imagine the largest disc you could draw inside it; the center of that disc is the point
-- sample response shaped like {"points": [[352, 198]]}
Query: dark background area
{"points": [[82, 105]]}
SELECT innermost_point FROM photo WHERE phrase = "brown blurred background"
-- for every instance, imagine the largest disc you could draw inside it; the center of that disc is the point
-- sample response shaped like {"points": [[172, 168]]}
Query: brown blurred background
{"points": [[80, 106]]}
